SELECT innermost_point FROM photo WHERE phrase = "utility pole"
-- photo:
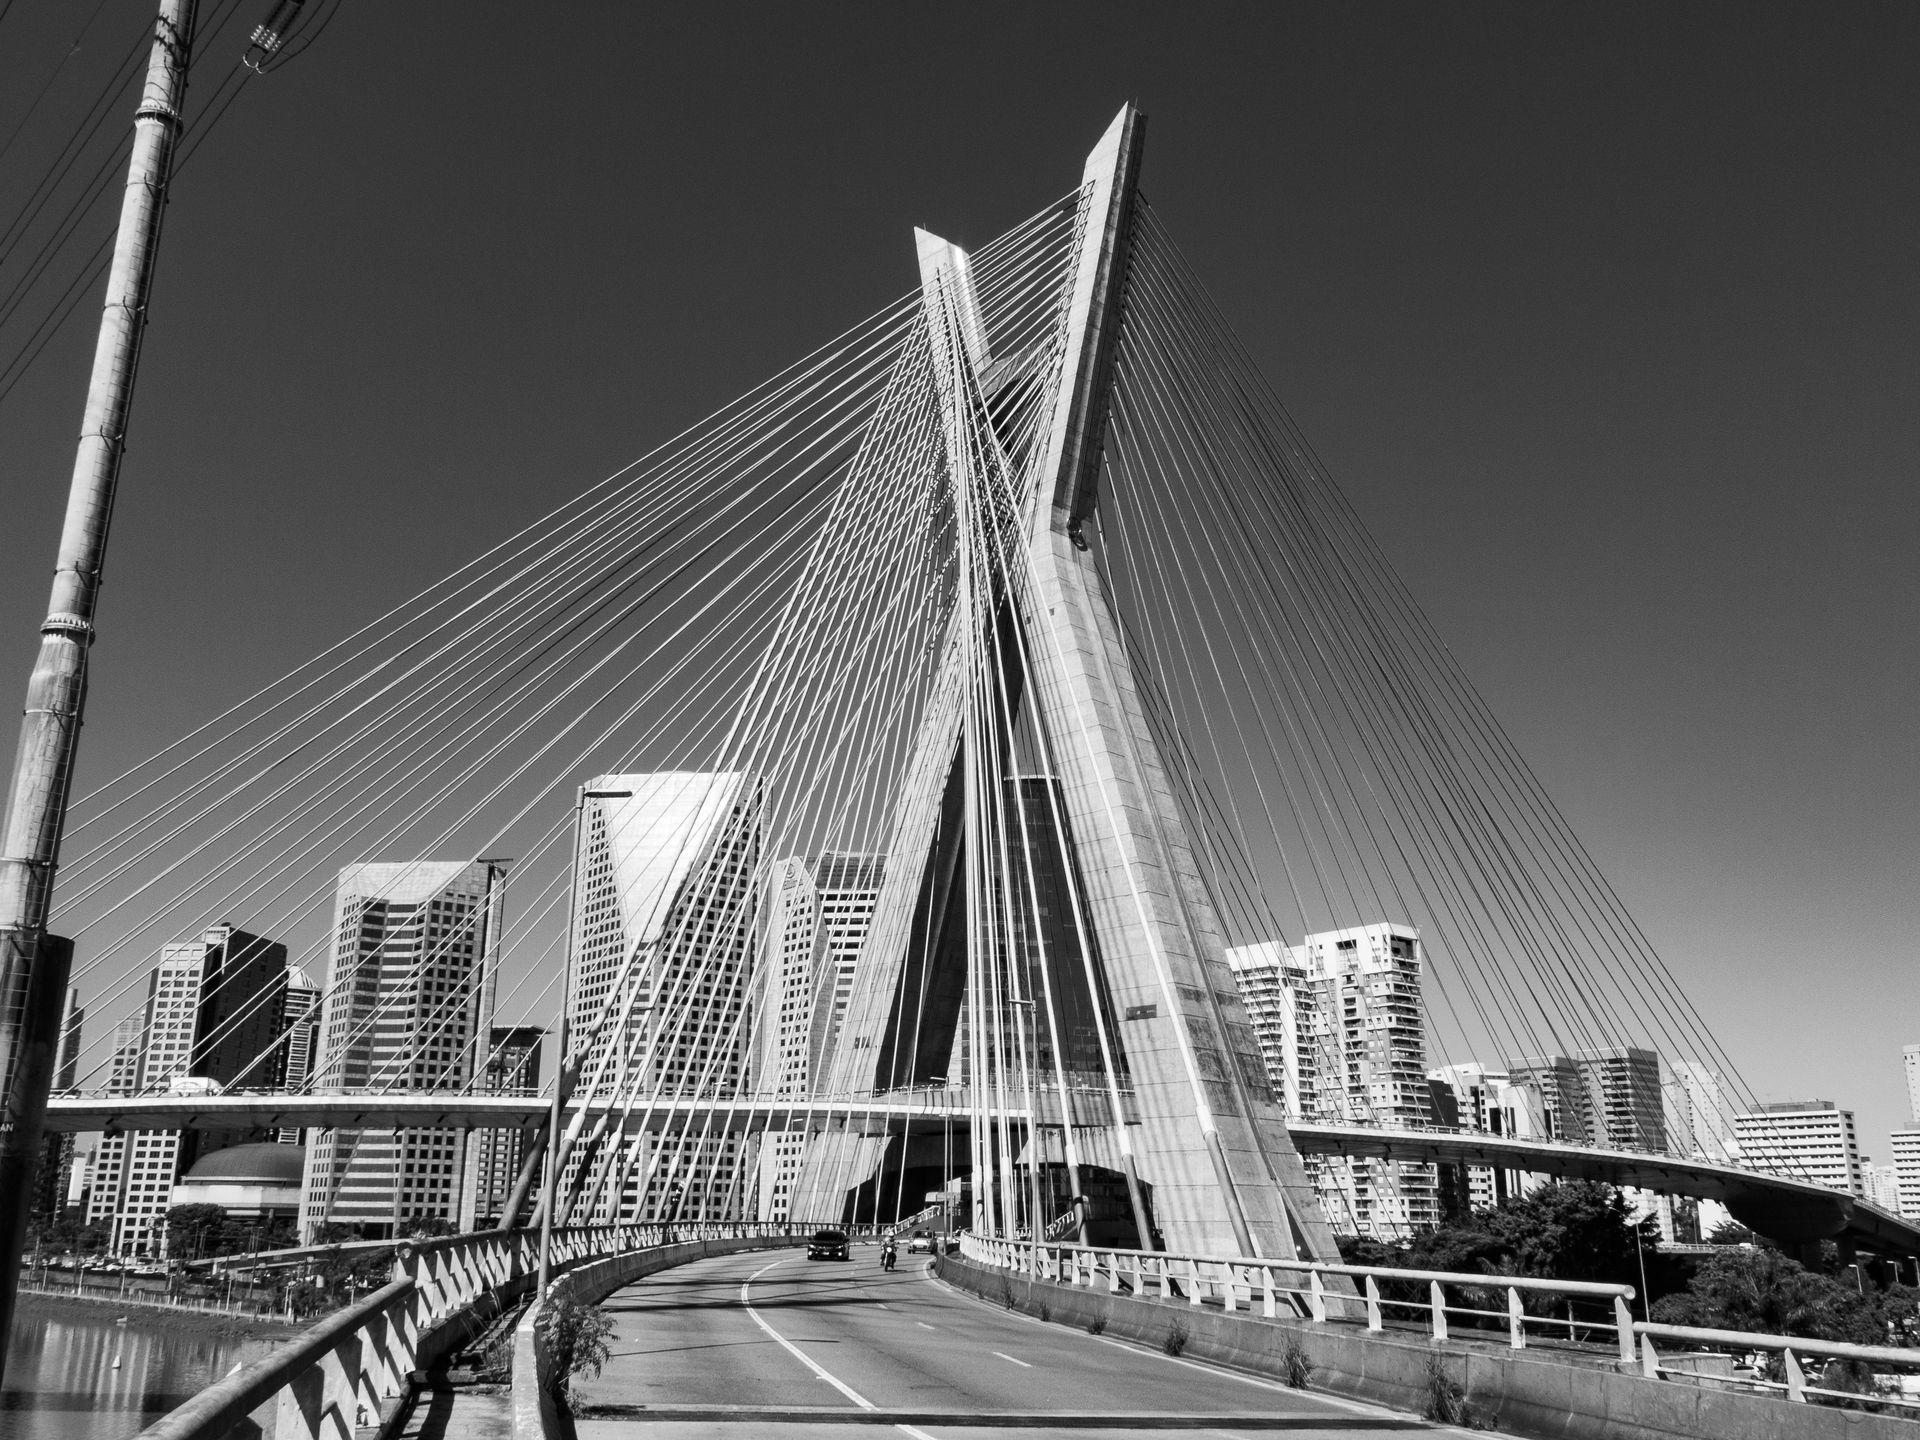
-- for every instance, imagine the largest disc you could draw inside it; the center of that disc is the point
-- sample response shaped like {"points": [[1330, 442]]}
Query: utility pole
{"points": [[33, 964]]}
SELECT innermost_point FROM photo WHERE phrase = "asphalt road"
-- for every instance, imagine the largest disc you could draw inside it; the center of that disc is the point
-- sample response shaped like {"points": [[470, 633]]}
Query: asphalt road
{"points": [[769, 1343]]}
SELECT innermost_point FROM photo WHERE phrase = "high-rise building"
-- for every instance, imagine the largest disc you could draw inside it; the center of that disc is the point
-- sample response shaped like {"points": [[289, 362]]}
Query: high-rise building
{"points": [[1280, 1008], [1805, 1139], [408, 1006], [1698, 1115], [670, 863], [818, 914], [1624, 1109], [1563, 1093], [300, 1025], [56, 1151], [1341, 1017], [1910, 1059], [1906, 1173], [494, 1156], [211, 1013], [1880, 1185]]}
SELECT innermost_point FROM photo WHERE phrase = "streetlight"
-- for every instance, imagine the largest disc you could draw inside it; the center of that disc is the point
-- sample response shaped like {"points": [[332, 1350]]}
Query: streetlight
{"points": [[560, 1047]]}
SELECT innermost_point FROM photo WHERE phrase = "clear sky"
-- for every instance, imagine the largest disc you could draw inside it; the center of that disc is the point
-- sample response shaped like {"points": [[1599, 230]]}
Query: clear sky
{"points": [[1605, 317]]}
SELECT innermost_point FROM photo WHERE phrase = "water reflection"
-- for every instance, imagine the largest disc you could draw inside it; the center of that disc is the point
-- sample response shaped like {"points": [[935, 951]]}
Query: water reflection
{"points": [[62, 1384]]}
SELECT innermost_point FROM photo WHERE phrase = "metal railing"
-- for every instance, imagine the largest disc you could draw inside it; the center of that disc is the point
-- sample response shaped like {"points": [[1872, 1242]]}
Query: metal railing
{"points": [[1238, 1282], [354, 1366], [1793, 1351]]}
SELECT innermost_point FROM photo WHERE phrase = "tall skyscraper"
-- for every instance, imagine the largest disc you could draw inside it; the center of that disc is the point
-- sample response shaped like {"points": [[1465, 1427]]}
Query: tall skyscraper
{"points": [[818, 914], [494, 1156], [1699, 1116], [1805, 1139], [1280, 1008], [212, 1009], [300, 1024], [56, 1151], [1563, 1091], [1341, 1017], [408, 1006], [1624, 1108], [659, 1006], [1910, 1059], [1906, 1173]]}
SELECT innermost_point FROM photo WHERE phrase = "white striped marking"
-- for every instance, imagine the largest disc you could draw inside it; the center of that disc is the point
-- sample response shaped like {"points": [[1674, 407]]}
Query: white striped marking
{"points": [[923, 1325], [807, 1360], [1021, 1363]]}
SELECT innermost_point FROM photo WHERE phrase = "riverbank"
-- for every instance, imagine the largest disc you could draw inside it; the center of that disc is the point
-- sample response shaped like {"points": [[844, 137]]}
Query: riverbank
{"points": [[92, 1308]]}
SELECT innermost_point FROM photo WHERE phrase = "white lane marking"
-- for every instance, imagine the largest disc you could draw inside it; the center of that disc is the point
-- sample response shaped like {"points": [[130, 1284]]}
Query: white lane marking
{"points": [[808, 1361], [1021, 1363], [924, 1325]]}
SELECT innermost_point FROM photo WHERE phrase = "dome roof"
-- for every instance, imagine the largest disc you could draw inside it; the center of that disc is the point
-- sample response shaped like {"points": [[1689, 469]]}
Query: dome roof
{"points": [[265, 1164]]}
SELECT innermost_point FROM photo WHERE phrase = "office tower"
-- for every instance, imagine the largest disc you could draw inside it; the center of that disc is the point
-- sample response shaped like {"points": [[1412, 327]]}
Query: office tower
{"points": [[1624, 1110], [1906, 1174], [1804, 1139], [300, 1025], [1343, 1034], [408, 1007], [56, 1151], [818, 914], [1698, 1115], [110, 1155], [669, 870], [494, 1156], [1910, 1059], [1563, 1091], [210, 1015]]}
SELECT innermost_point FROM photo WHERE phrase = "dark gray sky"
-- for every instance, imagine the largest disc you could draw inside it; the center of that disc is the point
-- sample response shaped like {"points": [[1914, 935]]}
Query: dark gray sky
{"points": [[1606, 318]]}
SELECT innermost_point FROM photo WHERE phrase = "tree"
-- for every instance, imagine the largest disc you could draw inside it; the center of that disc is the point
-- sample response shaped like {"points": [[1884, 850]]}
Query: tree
{"points": [[426, 1227], [1731, 1234], [193, 1230], [1763, 1291], [577, 1339]]}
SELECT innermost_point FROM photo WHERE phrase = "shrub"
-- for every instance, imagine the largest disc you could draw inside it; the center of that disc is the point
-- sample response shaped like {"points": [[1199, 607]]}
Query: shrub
{"points": [[1446, 1399], [1295, 1368], [1097, 1325], [1176, 1340], [576, 1338], [1045, 1311]]}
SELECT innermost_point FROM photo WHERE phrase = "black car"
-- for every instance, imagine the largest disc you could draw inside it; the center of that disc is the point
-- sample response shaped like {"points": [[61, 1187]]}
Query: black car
{"points": [[828, 1245]]}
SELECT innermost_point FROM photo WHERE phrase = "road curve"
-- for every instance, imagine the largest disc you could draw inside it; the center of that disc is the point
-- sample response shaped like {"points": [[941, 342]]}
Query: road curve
{"points": [[768, 1343]]}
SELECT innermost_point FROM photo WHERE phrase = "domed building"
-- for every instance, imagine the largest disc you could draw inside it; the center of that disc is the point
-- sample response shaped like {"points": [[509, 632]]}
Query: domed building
{"points": [[249, 1182]]}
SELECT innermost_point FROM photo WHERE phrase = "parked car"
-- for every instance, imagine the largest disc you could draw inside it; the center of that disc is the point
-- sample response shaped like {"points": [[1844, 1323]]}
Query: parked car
{"points": [[828, 1245], [920, 1243]]}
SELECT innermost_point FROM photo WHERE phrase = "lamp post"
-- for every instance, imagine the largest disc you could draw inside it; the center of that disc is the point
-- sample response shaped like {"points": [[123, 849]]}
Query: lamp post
{"points": [[560, 1034]]}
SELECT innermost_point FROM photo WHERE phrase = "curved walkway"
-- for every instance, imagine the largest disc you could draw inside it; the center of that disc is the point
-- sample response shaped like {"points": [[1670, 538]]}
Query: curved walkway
{"points": [[770, 1344]]}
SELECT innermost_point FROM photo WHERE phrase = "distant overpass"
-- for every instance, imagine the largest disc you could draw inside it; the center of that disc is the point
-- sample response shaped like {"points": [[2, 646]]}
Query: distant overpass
{"points": [[1792, 1211], [1781, 1208]]}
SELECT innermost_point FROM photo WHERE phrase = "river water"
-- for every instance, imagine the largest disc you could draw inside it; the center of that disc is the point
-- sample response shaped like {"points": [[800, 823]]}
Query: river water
{"points": [[61, 1382]]}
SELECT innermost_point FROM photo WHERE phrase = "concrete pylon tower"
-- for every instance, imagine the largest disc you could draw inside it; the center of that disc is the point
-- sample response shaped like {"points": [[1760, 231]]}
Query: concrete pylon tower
{"points": [[1195, 1120]]}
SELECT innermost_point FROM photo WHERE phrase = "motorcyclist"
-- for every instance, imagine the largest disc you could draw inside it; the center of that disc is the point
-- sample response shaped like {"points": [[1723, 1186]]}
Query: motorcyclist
{"points": [[887, 1252]]}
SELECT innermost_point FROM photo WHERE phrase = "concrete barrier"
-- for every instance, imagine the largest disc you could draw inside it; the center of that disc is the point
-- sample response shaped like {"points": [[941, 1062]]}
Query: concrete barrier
{"points": [[1520, 1392], [535, 1415]]}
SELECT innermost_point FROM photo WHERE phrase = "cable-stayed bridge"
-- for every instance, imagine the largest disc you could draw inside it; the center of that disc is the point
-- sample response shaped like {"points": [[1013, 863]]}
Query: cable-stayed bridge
{"points": [[902, 768]]}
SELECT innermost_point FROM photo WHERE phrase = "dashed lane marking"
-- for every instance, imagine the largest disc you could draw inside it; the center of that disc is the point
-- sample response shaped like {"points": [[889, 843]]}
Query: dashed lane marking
{"points": [[1021, 1363], [807, 1360]]}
